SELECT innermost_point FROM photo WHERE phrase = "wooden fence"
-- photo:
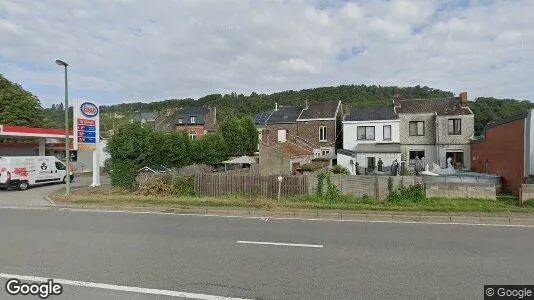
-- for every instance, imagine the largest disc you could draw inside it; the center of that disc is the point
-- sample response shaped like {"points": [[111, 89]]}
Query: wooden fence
{"points": [[228, 184]]}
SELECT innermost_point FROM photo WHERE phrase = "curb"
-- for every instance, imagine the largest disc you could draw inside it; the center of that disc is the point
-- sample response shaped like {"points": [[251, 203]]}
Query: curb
{"points": [[510, 220]]}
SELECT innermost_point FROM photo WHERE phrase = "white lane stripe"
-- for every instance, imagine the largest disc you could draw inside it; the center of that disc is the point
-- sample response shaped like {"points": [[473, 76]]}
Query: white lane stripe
{"points": [[121, 288], [88, 210], [281, 244]]}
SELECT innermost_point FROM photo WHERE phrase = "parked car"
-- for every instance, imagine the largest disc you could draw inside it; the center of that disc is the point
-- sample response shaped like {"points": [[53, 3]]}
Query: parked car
{"points": [[25, 171]]}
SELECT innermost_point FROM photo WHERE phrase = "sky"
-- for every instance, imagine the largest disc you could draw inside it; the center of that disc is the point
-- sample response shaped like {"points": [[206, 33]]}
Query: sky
{"points": [[135, 50]]}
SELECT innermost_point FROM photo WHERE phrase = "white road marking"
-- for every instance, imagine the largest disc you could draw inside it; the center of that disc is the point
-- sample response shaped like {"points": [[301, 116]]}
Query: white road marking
{"points": [[121, 288], [51, 208], [281, 244]]}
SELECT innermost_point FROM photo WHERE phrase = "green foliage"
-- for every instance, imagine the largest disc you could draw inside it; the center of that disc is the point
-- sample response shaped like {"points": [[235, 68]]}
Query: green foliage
{"points": [[165, 185], [332, 192], [17, 106], [240, 135], [320, 184], [337, 169], [415, 193], [211, 149], [123, 174], [488, 110]]}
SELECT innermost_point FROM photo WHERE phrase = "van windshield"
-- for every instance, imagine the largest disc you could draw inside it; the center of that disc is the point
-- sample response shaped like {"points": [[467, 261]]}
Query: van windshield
{"points": [[60, 166]]}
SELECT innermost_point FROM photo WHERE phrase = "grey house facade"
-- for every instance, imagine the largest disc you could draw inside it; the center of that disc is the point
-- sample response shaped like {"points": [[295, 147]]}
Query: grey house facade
{"points": [[436, 129]]}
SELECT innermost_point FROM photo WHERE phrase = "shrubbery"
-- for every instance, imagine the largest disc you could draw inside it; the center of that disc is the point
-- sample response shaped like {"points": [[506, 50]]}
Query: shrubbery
{"points": [[337, 169], [123, 174], [135, 145], [414, 193], [165, 185]]}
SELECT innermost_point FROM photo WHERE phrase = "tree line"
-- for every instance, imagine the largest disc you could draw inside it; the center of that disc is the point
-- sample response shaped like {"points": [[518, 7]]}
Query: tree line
{"points": [[20, 107]]}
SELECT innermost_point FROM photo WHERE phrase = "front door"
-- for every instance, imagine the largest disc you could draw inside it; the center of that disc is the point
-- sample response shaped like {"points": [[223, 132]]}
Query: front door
{"points": [[371, 163]]}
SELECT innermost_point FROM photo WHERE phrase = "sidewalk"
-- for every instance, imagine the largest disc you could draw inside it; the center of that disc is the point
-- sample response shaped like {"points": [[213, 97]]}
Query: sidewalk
{"points": [[516, 219]]}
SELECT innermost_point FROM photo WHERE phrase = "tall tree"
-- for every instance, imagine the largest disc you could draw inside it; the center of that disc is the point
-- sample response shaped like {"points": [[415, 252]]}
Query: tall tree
{"points": [[18, 106]]}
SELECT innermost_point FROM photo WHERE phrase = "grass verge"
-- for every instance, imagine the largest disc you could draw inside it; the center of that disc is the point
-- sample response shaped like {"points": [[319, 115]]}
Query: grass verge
{"points": [[105, 196]]}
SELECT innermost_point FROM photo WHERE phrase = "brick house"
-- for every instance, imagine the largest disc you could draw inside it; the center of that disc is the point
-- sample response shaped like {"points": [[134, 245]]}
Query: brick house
{"points": [[319, 127], [196, 121], [436, 129], [302, 133], [507, 149]]}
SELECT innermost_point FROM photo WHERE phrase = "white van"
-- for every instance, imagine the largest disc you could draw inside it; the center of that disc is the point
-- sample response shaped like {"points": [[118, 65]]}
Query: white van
{"points": [[24, 171]]}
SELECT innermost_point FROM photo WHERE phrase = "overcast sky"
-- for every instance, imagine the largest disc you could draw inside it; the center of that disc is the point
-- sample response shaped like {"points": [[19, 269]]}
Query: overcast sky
{"points": [[134, 50]]}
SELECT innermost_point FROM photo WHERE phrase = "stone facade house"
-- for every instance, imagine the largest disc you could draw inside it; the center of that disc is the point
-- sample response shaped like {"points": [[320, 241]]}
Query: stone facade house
{"points": [[196, 121], [436, 129], [370, 137]]}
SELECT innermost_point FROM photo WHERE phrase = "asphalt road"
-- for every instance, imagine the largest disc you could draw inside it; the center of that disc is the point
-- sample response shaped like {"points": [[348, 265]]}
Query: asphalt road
{"points": [[34, 196], [201, 255]]}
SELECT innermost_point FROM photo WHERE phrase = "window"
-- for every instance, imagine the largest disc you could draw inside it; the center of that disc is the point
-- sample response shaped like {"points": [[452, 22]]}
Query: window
{"points": [[387, 132], [281, 135], [193, 120], [366, 132], [193, 135], [455, 126], [60, 166], [419, 154], [325, 152], [417, 128], [180, 121], [322, 134]]}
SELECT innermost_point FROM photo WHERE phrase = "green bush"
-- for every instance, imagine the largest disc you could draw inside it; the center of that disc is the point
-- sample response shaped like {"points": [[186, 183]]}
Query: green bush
{"points": [[123, 174], [415, 193], [332, 192], [337, 169], [165, 185], [320, 184]]}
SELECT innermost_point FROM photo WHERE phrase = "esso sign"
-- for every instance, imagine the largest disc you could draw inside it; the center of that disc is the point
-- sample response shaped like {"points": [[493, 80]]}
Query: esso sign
{"points": [[89, 110]]}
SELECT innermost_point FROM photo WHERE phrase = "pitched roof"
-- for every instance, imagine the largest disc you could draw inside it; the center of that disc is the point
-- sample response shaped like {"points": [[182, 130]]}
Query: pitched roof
{"points": [[371, 113], [442, 106], [186, 113], [285, 114], [146, 116], [321, 110], [261, 118]]}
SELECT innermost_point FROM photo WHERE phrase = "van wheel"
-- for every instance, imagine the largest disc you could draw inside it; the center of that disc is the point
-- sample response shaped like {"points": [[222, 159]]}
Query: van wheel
{"points": [[23, 185], [3, 188]]}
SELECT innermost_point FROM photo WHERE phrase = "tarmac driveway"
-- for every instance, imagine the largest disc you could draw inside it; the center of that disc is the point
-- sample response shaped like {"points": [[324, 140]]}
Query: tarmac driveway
{"points": [[35, 196]]}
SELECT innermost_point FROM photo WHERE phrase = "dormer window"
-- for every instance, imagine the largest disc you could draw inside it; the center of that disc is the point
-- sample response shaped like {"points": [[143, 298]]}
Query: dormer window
{"points": [[180, 121], [193, 120]]}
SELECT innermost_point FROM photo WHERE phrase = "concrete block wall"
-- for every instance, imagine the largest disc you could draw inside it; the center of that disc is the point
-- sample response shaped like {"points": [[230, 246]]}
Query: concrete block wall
{"points": [[527, 193], [461, 190], [363, 185]]}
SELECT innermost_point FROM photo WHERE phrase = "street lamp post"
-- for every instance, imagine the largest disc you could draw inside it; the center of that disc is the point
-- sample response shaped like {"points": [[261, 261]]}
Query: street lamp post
{"points": [[67, 142]]}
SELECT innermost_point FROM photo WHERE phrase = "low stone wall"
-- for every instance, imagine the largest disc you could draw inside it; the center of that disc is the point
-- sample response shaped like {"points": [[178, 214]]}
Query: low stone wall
{"points": [[461, 190], [526, 193]]}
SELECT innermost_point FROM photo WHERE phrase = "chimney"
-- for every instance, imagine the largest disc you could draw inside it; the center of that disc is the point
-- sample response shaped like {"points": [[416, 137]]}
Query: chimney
{"points": [[275, 106], [306, 104], [463, 98], [396, 100]]}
